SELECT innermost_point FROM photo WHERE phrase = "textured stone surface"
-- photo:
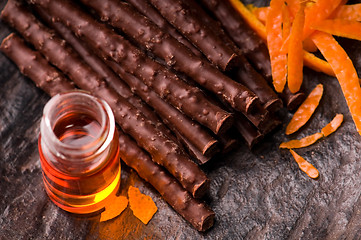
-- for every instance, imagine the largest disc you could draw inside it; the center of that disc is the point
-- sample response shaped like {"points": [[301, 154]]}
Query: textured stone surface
{"points": [[259, 194]]}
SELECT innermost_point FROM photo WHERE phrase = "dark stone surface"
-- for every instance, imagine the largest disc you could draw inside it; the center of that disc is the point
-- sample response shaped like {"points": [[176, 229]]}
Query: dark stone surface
{"points": [[259, 194]]}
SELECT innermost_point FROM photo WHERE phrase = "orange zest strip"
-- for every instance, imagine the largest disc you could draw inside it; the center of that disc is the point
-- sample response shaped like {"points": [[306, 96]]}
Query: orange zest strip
{"points": [[340, 27], [305, 111], [319, 11], [275, 41], [303, 142], [349, 12], [286, 22], [250, 18], [333, 125], [345, 73], [142, 205], [317, 64], [295, 52], [308, 45], [114, 209], [305, 166]]}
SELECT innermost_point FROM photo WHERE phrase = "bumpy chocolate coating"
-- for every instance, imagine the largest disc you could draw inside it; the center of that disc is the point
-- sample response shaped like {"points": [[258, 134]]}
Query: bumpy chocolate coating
{"points": [[163, 150], [149, 35], [33, 65]]}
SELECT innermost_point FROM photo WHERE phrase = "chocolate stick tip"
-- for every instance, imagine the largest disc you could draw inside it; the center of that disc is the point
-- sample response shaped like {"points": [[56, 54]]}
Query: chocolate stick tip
{"points": [[200, 189], [233, 61], [207, 222], [225, 122], [295, 100], [211, 148], [273, 105], [252, 104]]}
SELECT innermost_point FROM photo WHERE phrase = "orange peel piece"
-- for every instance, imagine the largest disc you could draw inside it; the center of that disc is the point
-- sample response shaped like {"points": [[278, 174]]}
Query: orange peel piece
{"points": [[114, 209], [305, 111], [305, 166], [303, 142], [340, 27], [275, 42], [142, 205], [345, 72], [333, 125]]}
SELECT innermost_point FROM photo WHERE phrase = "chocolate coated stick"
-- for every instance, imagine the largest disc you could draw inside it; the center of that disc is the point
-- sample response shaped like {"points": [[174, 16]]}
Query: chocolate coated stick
{"points": [[136, 26], [163, 150], [145, 8], [168, 86], [37, 68], [191, 130], [33, 65]]}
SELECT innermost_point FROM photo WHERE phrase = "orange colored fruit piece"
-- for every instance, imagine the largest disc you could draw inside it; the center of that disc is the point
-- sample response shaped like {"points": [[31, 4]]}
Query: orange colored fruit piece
{"points": [[333, 125], [349, 12], [142, 205], [345, 73], [295, 52], [340, 27], [260, 13], [317, 64], [305, 111], [305, 166], [319, 11], [303, 142], [275, 42], [114, 209]]}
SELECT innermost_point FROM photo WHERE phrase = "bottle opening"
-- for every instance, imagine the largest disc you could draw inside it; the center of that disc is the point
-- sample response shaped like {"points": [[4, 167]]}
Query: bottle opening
{"points": [[76, 124]]}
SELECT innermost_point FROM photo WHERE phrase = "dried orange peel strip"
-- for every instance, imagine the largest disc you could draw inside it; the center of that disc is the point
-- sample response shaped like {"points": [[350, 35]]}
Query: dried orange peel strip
{"points": [[305, 166], [114, 209], [340, 27], [305, 111], [295, 52], [349, 12], [333, 125], [309, 59], [303, 142], [345, 73], [275, 42], [319, 11], [309, 140], [142, 205]]}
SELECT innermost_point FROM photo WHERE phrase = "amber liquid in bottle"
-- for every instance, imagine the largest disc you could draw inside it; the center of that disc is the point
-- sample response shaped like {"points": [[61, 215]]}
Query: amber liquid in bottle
{"points": [[87, 184]]}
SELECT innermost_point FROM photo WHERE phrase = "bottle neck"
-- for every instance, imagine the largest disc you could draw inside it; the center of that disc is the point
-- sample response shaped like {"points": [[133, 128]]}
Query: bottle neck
{"points": [[76, 131]]}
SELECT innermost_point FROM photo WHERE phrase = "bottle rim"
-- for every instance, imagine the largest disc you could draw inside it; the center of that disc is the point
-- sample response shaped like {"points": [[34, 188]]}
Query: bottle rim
{"points": [[56, 108]]}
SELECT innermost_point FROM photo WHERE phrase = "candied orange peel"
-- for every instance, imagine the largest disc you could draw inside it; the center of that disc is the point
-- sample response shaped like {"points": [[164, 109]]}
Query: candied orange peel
{"points": [[114, 209], [306, 110], [142, 205], [305, 166]]}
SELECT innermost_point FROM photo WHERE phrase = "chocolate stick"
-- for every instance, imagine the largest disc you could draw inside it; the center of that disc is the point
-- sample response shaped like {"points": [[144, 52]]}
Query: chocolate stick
{"points": [[145, 8], [33, 65], [165, 83], [38, 69], [125, 18], [200, 34], [249, 133], [163, 150]]}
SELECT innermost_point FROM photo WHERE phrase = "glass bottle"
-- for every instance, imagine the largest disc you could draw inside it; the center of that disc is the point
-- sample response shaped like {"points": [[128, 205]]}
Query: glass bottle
{"points": [[79, 152]]}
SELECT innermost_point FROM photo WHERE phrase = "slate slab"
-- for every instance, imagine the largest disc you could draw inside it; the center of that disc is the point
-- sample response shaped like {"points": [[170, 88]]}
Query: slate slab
{"points": [[259, 194]]}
